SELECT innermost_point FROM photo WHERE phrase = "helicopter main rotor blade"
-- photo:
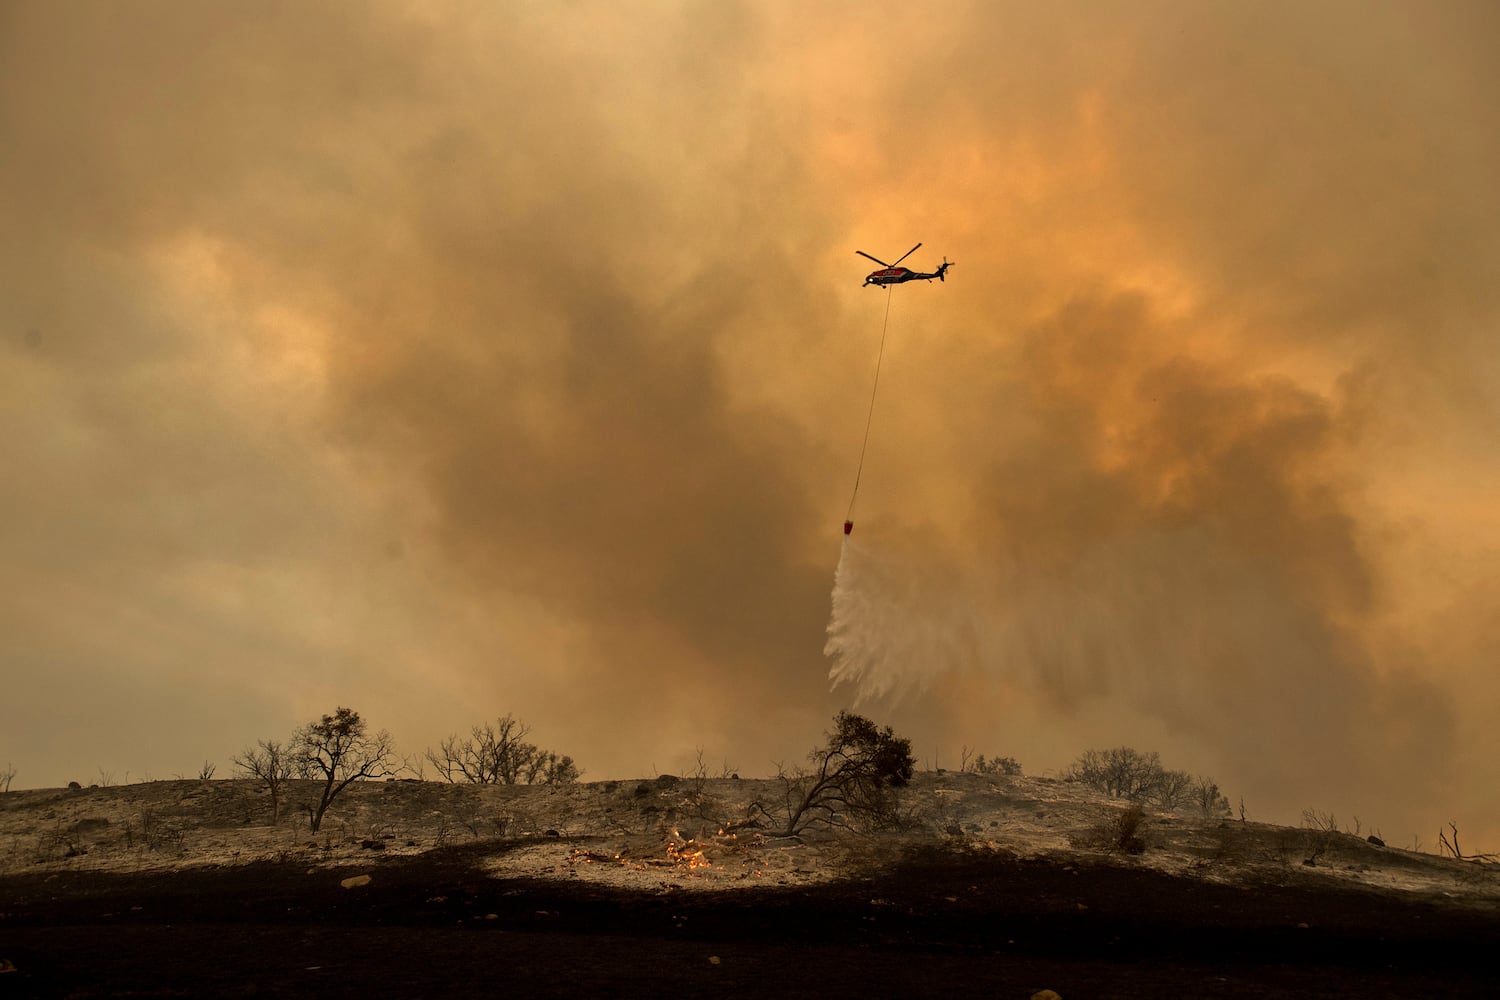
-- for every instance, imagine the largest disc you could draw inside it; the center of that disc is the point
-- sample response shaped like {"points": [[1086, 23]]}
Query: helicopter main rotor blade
{"points": [[904, 256], [875, 259]]}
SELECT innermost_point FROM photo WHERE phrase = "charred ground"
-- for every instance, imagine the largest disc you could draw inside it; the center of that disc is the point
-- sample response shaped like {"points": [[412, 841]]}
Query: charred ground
{"points": [[989, 887]]}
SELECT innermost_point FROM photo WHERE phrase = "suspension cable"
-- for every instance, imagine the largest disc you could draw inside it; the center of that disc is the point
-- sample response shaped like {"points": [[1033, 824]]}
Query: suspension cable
{"points": [[869, 417]]}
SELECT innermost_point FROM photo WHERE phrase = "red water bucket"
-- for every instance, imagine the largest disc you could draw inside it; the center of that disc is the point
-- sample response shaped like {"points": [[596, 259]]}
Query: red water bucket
{"points": [[848, 527]]}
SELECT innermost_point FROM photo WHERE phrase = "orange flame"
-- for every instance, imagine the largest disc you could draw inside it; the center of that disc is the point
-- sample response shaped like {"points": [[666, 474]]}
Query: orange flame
{"points": [[687, 852]]}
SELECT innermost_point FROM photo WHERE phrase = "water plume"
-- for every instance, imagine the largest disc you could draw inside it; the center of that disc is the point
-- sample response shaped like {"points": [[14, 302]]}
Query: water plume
{"points": [[893, 626]]}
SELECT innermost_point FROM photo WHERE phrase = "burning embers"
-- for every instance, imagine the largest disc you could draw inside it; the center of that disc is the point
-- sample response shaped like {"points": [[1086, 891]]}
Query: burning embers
{"points": [[679, 853], [685, 852]]}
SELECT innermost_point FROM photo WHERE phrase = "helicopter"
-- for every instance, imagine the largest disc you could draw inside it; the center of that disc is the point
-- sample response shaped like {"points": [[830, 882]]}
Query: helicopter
{"points": [[894, 274]]}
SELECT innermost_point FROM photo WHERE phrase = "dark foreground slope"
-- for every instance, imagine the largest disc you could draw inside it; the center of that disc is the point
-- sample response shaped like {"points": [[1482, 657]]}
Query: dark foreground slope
{"points": [[936, 923]]}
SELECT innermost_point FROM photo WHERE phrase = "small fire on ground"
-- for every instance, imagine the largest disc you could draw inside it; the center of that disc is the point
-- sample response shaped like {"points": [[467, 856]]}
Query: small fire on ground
{"points": [[686, 852], [679, 852]]}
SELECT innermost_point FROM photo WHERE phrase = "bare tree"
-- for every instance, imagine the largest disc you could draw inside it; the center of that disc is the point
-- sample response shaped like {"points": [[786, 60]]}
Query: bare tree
{"points": [[492, 755], [1122, 773], [854, 775], [548, 768], [1452, 848], [267, 761], [7, 775], [500, 754], [339, 750], [1205, 795], [1323, 822], [1322, 828], [1171, 789]]}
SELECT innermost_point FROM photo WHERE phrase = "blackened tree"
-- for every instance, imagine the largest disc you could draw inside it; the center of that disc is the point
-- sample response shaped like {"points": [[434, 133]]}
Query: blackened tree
{"points": [[1121, 773], [1124, 773], [500, 754], [853, 779], [339, 750], [267, 762]]}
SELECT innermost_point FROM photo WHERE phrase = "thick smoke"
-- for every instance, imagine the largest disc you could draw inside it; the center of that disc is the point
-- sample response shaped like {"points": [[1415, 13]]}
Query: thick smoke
{"points": [[1174, 537], [450, 361]]}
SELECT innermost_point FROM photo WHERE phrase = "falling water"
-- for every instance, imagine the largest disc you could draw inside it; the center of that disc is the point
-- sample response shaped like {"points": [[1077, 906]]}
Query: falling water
{"points": [[893, 628], [1164, 625]]}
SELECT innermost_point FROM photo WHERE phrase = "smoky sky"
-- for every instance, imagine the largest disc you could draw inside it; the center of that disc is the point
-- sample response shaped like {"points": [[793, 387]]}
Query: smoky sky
{"points": [[447, 361]]}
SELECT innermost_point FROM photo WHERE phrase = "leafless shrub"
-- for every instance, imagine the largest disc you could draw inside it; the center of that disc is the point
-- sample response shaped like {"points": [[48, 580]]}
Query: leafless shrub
{"points": [[469, 815], [1171, 790], [1125, 773], [1314, 819], [514, 822], [548, 768], [969, 763], [1121, 773], [699, 803], [1208, 800], [157, 833], [493, 754], [206, 772], [152, 831], [1450, 847], [379, 830], [443, 830], [269, 762], [56, 844], [106, 778], [1286, 846], [499, 754], [7, 775], [1321, 829], [1119, 831]]}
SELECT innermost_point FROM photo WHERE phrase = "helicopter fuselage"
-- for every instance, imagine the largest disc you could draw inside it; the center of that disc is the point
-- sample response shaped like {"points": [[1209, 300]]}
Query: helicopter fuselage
{"points": [[896, 275], [890, 276]]}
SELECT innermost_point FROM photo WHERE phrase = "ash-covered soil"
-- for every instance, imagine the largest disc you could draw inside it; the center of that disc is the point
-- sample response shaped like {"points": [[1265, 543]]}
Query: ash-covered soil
{"points": [[1006, 886]]}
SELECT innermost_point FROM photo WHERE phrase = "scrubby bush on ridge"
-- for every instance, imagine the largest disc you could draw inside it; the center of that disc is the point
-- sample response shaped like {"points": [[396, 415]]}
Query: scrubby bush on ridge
{"points": [[500, 755], [1126, 773]]}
